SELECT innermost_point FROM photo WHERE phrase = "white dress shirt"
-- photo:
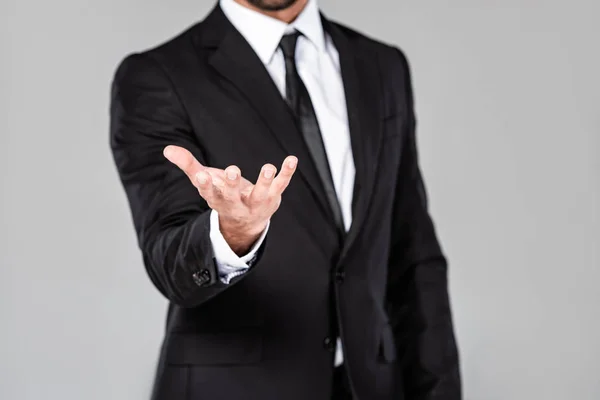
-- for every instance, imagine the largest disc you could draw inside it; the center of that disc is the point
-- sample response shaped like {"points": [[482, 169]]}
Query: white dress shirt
{"points": [[317, 62]]}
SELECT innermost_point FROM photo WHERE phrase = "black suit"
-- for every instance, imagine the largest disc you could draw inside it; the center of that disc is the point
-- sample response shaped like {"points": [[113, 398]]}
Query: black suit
{"points": [[266, 335]]}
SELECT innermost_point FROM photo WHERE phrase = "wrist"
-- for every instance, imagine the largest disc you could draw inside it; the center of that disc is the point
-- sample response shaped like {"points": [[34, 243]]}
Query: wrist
{"points": [[240, 236]]}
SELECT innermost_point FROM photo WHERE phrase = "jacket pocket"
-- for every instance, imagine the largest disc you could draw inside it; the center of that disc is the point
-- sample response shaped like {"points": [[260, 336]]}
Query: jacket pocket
{"points": [[239, 346]]}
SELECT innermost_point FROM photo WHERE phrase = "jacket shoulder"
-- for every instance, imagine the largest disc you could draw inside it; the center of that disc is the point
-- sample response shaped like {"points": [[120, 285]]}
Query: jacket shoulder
{"points": [[162, 59], [171, 48]]}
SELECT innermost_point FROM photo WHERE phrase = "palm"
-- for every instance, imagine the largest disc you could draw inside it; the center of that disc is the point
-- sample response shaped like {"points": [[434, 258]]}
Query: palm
{"points": [[244, 209]]}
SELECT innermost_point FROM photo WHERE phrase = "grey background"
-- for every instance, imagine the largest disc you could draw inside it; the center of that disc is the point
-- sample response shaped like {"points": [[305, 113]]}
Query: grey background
{"points": [[507, 98]]}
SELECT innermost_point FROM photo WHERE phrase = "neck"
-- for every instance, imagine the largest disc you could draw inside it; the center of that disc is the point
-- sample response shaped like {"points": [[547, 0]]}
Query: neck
{"points": [[287, 15]]}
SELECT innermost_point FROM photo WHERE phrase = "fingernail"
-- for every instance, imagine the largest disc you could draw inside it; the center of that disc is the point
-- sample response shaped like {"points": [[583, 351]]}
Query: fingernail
{"points": [[268, 173], [201, 178], [232, 175], [292, 163], [168, 151]]}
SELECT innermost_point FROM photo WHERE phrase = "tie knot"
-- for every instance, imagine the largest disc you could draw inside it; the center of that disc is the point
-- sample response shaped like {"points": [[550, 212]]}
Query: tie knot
{"points": [[288, 44]]}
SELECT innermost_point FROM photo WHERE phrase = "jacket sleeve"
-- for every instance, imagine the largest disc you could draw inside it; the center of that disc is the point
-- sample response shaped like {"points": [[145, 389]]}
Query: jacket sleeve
{"points": [[171, 219], [417, 295]]}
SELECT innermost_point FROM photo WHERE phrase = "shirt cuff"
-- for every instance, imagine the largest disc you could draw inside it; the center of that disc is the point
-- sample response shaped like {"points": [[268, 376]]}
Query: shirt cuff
{"points": [[229, 264]]}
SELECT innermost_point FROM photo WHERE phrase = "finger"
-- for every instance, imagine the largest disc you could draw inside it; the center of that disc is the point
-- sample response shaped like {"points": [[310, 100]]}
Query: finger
{"points": [[218, 181], [246, 191], [204, 183], [281, 182], [216, 172], [183, 159], [244, 183], [261, 189], [231, 191]]}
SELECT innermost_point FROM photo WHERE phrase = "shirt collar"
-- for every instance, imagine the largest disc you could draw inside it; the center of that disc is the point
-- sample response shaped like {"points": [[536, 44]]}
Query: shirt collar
{"points": [[264, 33]]}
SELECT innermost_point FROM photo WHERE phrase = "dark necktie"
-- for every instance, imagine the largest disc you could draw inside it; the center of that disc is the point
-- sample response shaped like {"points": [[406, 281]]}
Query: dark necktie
{"points": [[298, 99]]}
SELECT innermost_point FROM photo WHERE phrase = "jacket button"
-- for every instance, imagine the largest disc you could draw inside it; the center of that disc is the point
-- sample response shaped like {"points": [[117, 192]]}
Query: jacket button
{"points": [[340, 275], [202, 277], [329, 344]]}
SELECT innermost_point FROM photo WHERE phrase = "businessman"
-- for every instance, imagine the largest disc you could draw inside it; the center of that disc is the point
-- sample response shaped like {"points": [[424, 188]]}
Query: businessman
{"points": [[270, 161]]}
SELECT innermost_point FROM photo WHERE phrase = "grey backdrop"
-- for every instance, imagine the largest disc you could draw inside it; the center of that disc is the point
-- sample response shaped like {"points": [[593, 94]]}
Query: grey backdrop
{"points": [[507, 98]]}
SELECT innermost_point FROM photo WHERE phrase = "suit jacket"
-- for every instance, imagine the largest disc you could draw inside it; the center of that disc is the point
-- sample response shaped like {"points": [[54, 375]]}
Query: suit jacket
{"points": [[270, 334]]}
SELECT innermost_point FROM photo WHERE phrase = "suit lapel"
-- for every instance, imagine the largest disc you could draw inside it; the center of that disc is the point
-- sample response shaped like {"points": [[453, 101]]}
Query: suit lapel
{"points": [[362, 85], [235, 60]]}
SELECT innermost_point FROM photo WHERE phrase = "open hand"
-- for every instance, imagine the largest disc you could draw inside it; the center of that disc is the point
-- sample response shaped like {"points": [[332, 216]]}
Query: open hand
{"points": [[244, 208]]}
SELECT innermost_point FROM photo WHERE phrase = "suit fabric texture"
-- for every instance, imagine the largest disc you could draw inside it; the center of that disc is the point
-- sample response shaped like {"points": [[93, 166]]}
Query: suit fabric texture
{"points": [[270, 333]]}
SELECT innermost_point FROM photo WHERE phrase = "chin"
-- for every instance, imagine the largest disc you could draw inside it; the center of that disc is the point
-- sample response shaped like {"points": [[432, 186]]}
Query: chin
{"points": [[272, 5]]}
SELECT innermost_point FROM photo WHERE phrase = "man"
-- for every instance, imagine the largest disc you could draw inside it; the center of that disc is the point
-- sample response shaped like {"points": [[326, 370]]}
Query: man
{"points": [[323, 280]]}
